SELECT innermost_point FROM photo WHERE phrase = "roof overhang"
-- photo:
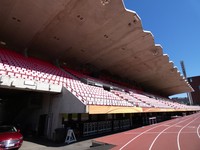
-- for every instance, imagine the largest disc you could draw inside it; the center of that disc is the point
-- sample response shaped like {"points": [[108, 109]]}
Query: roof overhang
{"points": [[101, 33]]}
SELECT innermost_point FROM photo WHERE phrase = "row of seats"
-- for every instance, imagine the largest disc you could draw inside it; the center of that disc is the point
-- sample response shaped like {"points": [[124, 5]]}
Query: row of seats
{"points": [[96, 95], [16, 65], [86, 76], [158, 103], [130, 99]]}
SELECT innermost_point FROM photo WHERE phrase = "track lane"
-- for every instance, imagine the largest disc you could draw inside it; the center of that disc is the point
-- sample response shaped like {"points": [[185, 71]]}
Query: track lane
{"points": [[164, 131], [122, 138], [142, 138], [149, 132], [168, 139], [146, 141], [187, 138]]}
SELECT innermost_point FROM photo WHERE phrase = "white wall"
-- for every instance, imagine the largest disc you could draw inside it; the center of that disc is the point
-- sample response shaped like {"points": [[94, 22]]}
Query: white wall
{"points": [[54, 105]]}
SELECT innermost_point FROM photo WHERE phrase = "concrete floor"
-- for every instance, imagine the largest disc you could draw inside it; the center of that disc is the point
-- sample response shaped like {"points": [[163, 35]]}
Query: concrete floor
{"points": [[30, 145], [40, 144]]}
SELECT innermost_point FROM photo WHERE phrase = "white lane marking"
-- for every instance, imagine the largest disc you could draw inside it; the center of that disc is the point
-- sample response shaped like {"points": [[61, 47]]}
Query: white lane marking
{"points": [[178, 126], [143, 133], [198, 131], [178, 137], [158, 132], [192, 127], [174, 125], [166, 125]]}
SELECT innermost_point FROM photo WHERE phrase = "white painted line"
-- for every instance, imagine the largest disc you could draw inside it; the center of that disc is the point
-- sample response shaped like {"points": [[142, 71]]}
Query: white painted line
{"points": [[178, 126], [158, 132], [166, 125], [143, 133], [174, 120], [137, 137], [178, 137], [133, 133], [164, 131], [198, 131]]}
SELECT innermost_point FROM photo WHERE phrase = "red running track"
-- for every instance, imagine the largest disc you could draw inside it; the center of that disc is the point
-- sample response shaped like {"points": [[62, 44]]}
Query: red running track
{"points": [[177, 134]]}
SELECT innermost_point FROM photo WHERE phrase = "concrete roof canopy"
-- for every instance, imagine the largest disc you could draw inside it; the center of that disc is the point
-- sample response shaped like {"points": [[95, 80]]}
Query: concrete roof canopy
{"points": [[102, 32]]}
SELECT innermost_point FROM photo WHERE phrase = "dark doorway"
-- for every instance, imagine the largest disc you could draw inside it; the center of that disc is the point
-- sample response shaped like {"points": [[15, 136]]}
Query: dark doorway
{"points": [[42, 125]]}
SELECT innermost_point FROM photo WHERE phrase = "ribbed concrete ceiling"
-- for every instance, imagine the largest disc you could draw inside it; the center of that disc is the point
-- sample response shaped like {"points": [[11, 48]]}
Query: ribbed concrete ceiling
{"points": [[100, 32]]}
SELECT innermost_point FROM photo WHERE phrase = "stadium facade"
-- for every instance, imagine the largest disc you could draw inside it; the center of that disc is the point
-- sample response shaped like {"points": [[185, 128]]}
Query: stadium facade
{"points": [[195, 95], [85, 65]]}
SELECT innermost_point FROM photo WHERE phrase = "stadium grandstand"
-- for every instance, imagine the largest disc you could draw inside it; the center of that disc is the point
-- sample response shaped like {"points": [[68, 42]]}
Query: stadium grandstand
{"points": [[82, 64]]}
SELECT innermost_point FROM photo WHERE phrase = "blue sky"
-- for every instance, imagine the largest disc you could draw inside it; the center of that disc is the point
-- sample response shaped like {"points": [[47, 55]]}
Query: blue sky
{"points": [[175, 25]]}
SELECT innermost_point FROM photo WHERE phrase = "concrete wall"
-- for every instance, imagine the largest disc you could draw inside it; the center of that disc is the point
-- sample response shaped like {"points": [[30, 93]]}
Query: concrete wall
{"points": [[54, 105]]}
